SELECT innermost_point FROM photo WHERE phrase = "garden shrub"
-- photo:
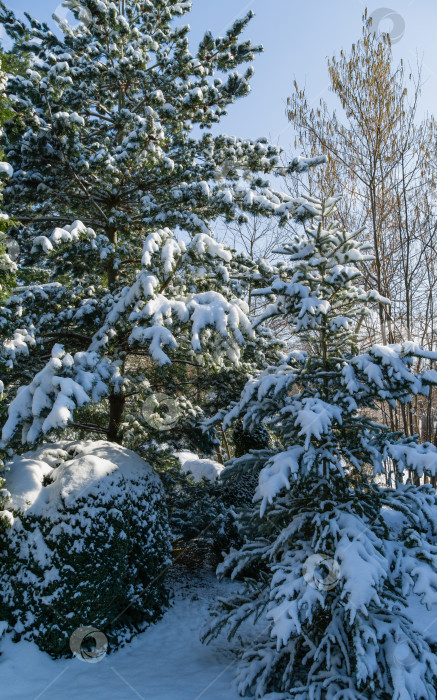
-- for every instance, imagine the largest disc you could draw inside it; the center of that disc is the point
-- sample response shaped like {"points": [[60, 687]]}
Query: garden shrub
{"points": [[88, 545]]}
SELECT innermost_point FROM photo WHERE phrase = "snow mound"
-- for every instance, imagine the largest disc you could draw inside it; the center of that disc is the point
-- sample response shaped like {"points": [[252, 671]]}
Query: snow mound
{"points": [[40, 480], [199, 468]]}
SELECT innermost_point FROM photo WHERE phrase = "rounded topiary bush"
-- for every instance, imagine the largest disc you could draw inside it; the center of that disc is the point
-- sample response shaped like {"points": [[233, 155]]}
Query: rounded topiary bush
{"points": [[5, 520], [88, 545]]}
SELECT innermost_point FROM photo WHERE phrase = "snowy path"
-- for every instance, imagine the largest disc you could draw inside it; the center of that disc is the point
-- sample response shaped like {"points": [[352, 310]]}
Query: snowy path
{"points": [[167, 662]]}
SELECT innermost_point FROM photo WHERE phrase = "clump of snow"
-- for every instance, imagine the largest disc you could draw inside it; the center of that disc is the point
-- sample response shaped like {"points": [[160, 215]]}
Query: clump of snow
{"points": [[67, 234], [277, 474], [199, 468], [6, 168], [419, 458], [41, 242]]}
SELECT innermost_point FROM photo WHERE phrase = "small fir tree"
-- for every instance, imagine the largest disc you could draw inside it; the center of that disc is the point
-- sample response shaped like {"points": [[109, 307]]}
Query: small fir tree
{"points": [[332, 560]]}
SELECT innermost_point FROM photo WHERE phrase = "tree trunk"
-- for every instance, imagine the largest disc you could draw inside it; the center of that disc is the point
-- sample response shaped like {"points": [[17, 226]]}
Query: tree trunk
{"points": [[116, 408]]}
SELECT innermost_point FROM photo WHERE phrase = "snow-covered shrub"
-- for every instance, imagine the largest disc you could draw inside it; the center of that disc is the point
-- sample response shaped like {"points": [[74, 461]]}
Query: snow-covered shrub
{"points": [[5, 522], [88, 545]]}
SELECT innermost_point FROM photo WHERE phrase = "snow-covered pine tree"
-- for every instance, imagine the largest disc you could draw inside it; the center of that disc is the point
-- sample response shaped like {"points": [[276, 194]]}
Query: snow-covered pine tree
{"points": [[7, 265], [332, 561], [105, 135], [8, 270]]}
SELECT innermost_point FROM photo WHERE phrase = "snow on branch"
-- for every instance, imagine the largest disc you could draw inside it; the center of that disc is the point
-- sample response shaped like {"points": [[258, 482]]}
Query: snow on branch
{"points": [[299, 164], [421, 459], [158, 313], [63, 385]]}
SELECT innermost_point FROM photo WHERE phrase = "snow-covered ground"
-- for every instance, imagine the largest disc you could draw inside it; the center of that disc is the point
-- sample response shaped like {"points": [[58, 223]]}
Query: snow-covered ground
{"points": [[166, 662]]}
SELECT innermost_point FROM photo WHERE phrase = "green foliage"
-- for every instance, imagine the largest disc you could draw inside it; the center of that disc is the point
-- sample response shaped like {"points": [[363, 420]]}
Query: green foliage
{"points": [[98, 561], [200, 516], [246, 440], [238, 485]]}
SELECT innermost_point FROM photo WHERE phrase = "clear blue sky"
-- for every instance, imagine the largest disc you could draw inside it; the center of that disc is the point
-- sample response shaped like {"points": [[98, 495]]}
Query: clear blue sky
{"points": [[298, 36]]}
